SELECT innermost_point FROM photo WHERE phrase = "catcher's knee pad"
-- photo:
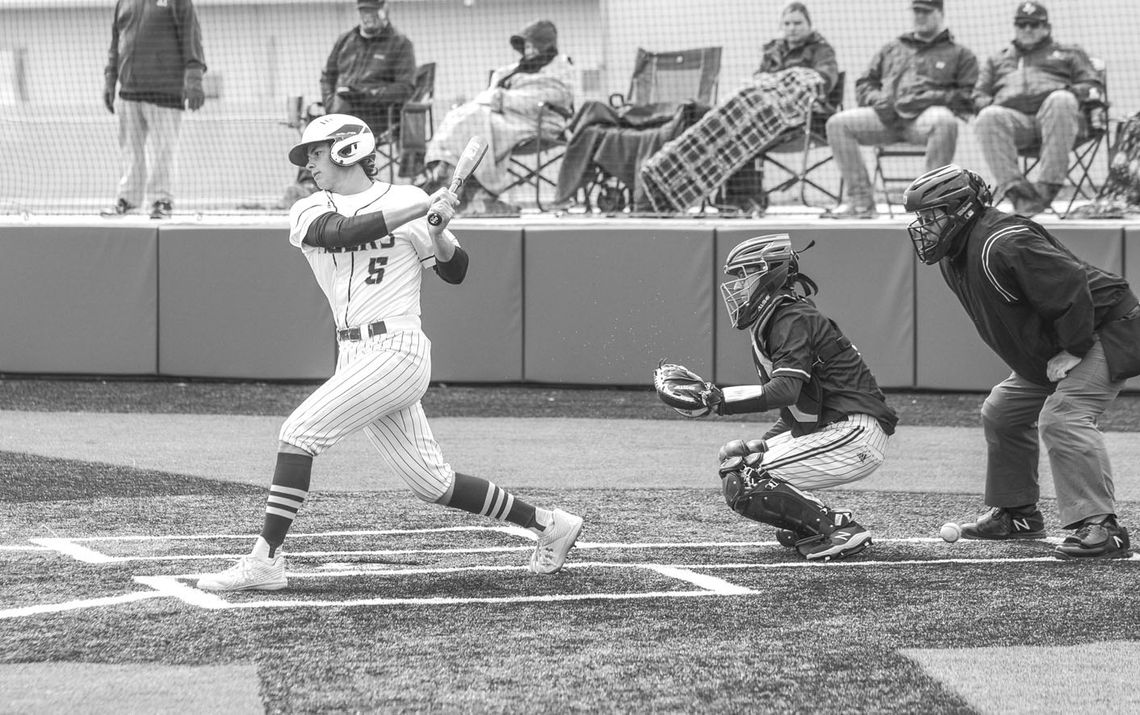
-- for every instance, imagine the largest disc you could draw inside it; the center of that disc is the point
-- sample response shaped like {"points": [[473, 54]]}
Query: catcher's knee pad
{"points": [[770, 500]]}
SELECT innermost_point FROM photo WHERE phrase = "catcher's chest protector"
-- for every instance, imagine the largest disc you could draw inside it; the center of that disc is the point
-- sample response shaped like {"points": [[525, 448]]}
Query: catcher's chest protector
{"points": [[803, 416]]}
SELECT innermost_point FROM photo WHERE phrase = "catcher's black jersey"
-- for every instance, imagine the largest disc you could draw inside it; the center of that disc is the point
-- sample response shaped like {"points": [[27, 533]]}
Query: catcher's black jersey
{"points": [[802, 343]]}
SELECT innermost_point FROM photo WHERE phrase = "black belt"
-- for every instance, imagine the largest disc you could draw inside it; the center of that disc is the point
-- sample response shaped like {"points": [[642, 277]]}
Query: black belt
{"points": [[373, 329]]}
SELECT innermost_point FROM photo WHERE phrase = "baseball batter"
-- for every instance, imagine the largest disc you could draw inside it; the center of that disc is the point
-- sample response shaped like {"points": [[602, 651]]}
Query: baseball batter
{"points": [[834, 420], [368, 244]]}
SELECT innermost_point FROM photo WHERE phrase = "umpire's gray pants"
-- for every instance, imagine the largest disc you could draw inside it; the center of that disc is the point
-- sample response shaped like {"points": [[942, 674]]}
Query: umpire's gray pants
{"points": [[1065, 416], [1003, 131]]}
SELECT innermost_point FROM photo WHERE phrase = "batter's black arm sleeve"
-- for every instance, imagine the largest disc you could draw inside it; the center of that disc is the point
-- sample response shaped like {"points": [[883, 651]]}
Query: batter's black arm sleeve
{"points": [[780, 391], [455, 270], [331, 230]]}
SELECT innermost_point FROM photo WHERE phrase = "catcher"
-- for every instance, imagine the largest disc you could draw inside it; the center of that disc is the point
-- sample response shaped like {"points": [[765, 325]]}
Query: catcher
{"points": [[834, 421]]}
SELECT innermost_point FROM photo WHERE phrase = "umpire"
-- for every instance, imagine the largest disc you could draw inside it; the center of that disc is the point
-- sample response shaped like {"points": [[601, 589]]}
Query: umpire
{"points": [[1071, 334]]}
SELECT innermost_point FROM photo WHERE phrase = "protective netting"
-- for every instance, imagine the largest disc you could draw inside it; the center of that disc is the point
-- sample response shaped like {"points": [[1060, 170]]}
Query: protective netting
{"points": [[61, 144]]}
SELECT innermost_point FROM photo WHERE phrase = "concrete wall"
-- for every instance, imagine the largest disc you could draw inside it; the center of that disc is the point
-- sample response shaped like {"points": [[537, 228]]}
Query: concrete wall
{"points": [[591, 302]]}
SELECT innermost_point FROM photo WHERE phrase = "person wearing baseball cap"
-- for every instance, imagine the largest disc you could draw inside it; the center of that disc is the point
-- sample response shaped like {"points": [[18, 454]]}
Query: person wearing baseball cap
{"points": [[1032, 94], [371, 71], [915, 90]]}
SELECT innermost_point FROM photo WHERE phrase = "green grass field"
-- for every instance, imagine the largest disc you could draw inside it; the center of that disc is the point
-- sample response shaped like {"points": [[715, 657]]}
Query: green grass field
{"points": [[671, 603]]}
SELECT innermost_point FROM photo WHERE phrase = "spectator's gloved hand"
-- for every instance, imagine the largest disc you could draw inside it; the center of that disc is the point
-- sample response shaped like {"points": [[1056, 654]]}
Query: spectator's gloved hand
{"points": [[350, 94], [933, 96], [192, 94], [109, 97], [497, 101]]}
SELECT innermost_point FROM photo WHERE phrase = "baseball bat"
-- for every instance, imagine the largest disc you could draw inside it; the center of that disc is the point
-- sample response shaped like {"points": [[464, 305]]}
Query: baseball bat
{"points": [[468, 160]]}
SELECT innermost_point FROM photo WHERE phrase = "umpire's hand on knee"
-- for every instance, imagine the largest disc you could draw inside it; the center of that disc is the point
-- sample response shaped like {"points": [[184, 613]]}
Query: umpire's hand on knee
{"points": [[1060, 364]]}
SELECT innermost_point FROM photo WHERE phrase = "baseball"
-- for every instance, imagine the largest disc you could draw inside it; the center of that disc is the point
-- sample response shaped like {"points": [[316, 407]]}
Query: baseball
{"points": [[950, 532]]}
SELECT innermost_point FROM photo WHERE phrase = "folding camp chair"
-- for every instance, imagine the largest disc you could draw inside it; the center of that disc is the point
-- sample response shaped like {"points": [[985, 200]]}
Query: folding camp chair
{"points": [[662, 80], [798, 144], [885, 153], [1086, 148], [400, 150], [533, 158]]}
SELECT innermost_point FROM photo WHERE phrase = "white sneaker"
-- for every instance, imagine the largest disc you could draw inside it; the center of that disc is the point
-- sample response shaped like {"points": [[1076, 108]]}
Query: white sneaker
{"points": [[250, 573], [555, 543]]}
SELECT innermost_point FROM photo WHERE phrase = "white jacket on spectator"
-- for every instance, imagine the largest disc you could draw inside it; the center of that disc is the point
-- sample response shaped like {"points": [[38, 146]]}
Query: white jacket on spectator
{"points": [[503, 115]]}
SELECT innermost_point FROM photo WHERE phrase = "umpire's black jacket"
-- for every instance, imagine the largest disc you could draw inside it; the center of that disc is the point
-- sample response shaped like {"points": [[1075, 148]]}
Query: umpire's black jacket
{"points": [[1028, 295]]}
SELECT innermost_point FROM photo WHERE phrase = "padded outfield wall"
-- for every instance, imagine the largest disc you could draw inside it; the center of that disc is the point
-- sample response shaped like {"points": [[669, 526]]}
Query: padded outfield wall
{"points": [[562, 302]]}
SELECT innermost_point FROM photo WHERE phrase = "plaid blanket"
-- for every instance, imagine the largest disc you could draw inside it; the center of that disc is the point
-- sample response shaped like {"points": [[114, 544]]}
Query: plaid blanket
{"points": [[692, 166]]}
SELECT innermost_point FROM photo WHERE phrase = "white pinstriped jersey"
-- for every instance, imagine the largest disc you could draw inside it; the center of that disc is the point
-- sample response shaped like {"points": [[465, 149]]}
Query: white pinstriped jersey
{"points": [[375, 281]]}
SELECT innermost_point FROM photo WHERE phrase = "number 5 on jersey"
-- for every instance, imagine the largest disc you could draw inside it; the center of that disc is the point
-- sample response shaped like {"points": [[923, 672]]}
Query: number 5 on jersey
{"points": [[376, 269]]}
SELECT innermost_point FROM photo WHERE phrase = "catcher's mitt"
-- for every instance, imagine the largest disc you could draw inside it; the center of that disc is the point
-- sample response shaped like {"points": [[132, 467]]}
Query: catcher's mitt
{"points": [[686, 391]]}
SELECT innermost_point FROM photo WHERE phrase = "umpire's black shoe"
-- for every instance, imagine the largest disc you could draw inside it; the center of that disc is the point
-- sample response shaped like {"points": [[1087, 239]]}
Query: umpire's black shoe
{"points": [[1098, 538], [1001, 524]]}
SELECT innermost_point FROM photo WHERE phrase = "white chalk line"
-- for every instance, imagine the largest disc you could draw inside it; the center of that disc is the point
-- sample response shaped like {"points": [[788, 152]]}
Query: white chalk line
{"points": [[707, 584], [42, 609], [507, 529]]}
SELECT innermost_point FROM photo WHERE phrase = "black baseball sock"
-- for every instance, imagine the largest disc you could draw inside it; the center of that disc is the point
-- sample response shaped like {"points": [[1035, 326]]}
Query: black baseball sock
{"points": [[286, 494], [479, 496]]}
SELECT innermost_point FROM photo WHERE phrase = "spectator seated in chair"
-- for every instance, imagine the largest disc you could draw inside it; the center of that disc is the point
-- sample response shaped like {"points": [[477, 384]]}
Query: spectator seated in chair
{"points": [[914, 91], [1031, 94], [800, 46], [505, 112]]}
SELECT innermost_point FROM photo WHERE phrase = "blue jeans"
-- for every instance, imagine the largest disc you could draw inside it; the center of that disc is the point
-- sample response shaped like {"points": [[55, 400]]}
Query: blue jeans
{"points": [[936, 129], [1064, 416]]}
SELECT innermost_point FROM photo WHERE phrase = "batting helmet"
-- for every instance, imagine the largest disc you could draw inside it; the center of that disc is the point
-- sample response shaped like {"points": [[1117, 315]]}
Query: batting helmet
{"points": [[945, 202], [350, 138], [758, 268]]}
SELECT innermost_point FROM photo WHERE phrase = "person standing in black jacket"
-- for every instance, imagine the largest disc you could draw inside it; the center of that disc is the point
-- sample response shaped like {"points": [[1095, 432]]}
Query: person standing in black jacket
{"points": [[1067, 329]]}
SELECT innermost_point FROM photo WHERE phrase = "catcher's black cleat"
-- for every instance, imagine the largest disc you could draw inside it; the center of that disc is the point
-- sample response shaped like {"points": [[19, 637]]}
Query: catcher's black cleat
{"points": [[843, 542], [1001, 524], [794, 538], [1100, 538]]}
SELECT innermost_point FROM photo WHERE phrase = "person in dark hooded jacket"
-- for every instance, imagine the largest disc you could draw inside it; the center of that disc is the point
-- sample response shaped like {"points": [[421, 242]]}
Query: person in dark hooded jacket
{"points": [[915, 90], [503, 113], [799, 46]]}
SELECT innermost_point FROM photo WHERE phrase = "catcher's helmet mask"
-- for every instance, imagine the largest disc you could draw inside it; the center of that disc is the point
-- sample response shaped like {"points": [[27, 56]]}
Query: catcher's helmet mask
{"points": [[759, 269], [945, 201], [349, 138]]}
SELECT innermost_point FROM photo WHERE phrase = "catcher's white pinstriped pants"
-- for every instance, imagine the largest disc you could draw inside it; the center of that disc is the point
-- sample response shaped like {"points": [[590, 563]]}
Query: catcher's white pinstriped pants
{"points": [[377, 387], [838, 453]]}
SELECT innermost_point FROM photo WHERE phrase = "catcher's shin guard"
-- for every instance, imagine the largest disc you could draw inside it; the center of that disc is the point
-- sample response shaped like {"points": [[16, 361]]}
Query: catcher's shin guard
{"points": [[756, 495]]}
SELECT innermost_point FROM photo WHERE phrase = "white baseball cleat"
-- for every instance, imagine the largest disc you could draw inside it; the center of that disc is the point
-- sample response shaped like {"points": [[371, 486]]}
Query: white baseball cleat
{"points": [[555, 543], [250, 573]]}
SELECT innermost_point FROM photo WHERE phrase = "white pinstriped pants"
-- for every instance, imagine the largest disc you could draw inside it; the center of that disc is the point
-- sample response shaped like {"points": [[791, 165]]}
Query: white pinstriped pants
{"points": [[839, 453], [377, 387]]}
